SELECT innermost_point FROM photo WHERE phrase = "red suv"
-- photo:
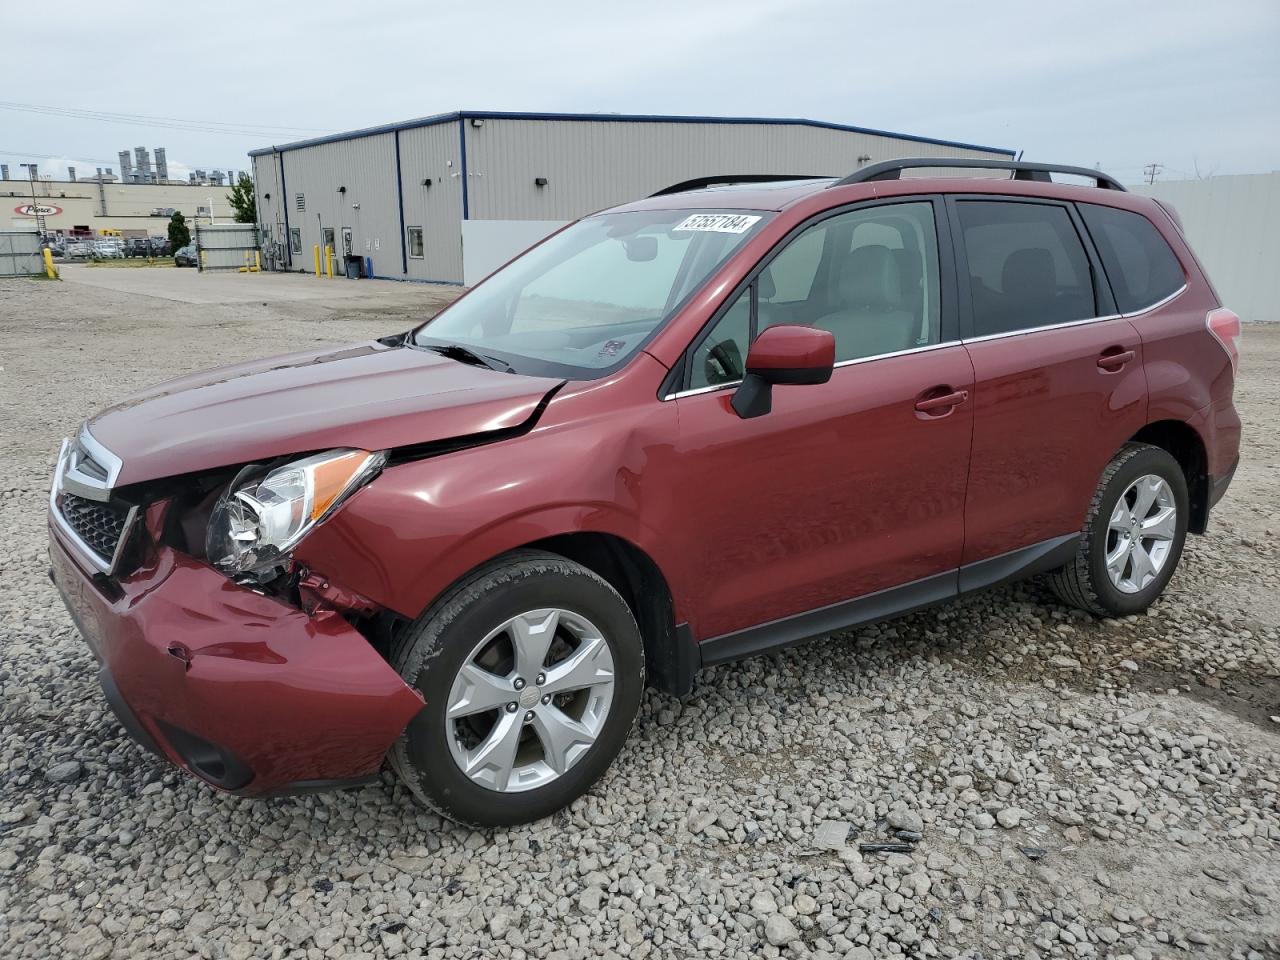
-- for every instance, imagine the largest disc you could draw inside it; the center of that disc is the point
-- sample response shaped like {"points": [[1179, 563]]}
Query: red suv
{"points": [[686, 430]]}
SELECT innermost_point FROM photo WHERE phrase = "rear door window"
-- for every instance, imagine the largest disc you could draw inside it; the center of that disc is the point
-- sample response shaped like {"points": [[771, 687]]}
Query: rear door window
{"points": [[1141, 267], [1027, 266]]}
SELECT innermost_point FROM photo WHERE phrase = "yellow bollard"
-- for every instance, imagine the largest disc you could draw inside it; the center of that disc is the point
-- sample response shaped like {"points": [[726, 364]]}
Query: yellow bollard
{"points": [[316, 250], [328, 261], [50, 270], [257, 261]]}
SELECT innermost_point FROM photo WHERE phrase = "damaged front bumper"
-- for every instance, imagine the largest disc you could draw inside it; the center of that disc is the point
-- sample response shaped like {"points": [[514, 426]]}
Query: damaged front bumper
{"points": [[242, 690]]}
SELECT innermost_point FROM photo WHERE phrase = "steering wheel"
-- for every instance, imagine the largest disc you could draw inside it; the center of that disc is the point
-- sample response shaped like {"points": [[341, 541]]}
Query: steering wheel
{"points": [[724, 363]]}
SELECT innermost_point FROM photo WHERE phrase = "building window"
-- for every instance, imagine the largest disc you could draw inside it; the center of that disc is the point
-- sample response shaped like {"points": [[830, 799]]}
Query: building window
{"points": [[295, 240], [302, 201], [415, 242]]}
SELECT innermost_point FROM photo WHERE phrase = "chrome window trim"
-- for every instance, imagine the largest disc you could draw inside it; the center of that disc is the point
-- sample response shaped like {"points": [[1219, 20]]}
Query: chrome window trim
{"points": [[896, 353], [841, 363], [1159, 303], [83, 551], [1076, 323], [1047, 326]]}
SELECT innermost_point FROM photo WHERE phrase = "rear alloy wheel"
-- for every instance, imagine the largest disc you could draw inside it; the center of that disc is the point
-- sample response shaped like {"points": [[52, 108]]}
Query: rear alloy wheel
{"points": [[532, 669], [1140, 533], [1133, 535]]}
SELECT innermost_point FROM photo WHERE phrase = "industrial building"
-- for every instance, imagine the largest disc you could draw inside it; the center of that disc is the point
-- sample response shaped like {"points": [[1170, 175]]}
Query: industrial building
{"points": [[97, 206], [448, 198]]}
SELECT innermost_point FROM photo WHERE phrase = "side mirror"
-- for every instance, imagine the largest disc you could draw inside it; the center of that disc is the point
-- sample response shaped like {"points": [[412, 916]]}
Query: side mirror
{"points": [[786, 354]]}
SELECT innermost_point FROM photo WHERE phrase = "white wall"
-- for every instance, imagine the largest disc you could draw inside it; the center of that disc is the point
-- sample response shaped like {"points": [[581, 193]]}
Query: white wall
{"points": [[488, 244], [1233, 224]]}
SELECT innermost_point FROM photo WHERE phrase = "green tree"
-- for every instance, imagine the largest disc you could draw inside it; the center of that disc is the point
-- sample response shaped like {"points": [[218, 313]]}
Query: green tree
{"points": [[242, 199], [179, 235]]}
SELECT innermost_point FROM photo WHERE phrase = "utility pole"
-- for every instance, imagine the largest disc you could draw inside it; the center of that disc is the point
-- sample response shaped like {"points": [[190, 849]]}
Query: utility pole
{"points": [[1151, 169]]}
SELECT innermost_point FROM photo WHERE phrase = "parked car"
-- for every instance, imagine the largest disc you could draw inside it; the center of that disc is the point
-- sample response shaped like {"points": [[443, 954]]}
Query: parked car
{"points": [[108, 248], [77, 250], [146, 247], [187, 256], [690, 429]]}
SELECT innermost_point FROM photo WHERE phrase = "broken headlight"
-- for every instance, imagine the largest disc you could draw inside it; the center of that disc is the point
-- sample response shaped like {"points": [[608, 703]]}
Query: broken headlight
{"points": [[257, 522]]}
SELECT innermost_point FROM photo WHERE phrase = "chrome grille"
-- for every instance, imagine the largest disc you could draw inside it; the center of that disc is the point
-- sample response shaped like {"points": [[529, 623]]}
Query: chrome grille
{"points": [[99, 525], [91, 522]]}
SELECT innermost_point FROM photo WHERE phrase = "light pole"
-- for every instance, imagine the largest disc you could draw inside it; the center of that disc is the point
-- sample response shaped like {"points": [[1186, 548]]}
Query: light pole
{"points": [[35, 204], [210, 199]]}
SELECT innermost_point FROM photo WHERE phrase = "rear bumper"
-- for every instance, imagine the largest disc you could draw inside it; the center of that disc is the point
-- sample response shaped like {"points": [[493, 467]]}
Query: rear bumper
{"points": [[241, 690]]}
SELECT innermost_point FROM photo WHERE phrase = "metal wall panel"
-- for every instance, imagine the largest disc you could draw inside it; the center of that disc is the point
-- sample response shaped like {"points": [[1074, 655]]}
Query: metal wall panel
{"points": [[368, 207], [433, 153], [594, 164], [588, 163], [271, 219], [1231, 224]]}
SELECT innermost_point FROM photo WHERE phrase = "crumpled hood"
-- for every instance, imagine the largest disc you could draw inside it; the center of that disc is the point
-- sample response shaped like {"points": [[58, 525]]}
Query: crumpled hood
{"points": [[366, 395]]}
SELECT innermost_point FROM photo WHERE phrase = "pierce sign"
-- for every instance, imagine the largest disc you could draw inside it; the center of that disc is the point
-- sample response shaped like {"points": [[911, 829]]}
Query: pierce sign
{"points": [[34, 210]]}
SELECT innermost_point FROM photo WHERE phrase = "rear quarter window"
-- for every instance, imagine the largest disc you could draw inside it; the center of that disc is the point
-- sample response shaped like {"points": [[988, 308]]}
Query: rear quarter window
{"points": [[1143, 270]]}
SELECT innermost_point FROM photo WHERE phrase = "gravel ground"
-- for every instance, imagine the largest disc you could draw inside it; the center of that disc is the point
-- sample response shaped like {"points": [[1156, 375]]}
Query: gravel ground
{"points": [[1081, 787]]}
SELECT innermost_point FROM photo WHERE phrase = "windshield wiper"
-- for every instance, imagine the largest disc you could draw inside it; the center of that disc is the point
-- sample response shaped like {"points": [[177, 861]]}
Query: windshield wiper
{"points": [[456, 351]]}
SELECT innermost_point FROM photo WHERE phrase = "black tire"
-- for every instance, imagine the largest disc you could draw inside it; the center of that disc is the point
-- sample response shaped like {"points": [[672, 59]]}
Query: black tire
{"points": [[431, 651], [1084, 582]]}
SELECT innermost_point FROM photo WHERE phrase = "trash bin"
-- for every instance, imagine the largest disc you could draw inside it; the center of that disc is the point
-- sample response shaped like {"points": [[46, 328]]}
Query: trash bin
{"points": [[355, 268]]}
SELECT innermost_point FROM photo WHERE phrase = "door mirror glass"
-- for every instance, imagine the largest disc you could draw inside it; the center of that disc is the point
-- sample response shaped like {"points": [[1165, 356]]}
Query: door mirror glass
{"points": [[785, 354]]}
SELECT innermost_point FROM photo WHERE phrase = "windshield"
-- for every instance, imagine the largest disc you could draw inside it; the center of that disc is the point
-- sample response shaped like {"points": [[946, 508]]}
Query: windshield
{"points": [[585, 300]]}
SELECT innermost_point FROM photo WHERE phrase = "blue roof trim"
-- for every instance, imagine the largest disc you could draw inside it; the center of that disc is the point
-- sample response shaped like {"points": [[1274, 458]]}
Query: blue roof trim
{"points": [[613, 118]]}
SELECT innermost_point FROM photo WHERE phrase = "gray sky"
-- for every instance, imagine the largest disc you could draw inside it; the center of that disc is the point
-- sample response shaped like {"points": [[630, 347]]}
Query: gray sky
{"points": [[1186, 83]]}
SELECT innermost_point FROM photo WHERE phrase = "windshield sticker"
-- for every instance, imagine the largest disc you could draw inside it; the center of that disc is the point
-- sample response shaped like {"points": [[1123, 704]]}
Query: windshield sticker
{"points": [[717, 223]]}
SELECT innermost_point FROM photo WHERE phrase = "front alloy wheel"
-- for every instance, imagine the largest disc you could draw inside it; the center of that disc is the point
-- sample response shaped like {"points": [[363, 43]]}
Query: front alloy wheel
{"points": [[530, 700], [532, 669]]}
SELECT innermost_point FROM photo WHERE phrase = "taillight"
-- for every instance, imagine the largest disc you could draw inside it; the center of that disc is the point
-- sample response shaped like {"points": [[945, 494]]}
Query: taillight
{"points": [[1225, 327]]}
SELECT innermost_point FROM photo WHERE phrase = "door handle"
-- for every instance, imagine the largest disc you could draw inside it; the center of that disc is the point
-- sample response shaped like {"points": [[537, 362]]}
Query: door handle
{"points": [[943, 401], [1111, 362]]}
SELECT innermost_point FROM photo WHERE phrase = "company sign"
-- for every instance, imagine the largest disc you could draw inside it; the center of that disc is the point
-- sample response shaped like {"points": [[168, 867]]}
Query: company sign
{"points": [[42, 210]]}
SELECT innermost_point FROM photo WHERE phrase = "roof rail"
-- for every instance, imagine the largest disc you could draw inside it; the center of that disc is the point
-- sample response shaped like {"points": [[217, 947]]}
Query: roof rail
{"points": [[699, 182], [1022, 170]]}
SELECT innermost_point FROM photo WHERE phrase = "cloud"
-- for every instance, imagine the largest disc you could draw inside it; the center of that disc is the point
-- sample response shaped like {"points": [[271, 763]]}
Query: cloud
{"points": [[1124, 84]]}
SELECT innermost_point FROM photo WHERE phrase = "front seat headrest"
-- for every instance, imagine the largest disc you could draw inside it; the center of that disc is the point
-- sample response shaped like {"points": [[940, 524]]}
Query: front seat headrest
{"points": [[870, 278]]}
